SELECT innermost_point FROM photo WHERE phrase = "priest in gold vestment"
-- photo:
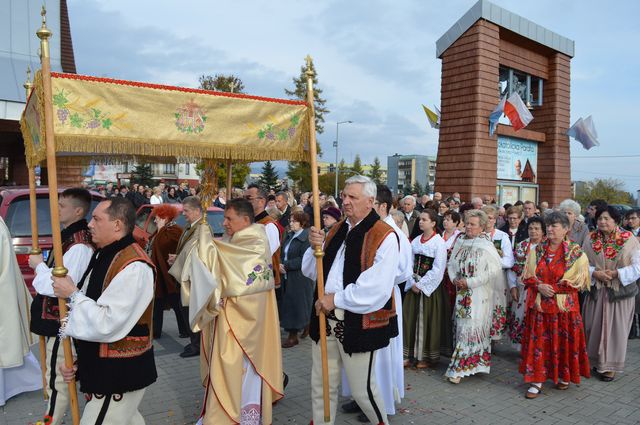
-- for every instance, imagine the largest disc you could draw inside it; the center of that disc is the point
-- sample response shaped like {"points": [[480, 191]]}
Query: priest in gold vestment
{"points": [[229, 286]]}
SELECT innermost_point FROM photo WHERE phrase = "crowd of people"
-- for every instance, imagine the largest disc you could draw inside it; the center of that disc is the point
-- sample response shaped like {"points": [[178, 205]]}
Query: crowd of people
{"points": [[409, 281]]}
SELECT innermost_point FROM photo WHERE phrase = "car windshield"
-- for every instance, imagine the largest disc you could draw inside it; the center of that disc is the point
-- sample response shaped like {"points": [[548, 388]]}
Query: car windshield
{"points": [[18, 218]]}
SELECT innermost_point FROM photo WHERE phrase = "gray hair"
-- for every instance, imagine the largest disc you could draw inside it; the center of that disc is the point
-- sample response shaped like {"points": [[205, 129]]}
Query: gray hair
{"points": [[556, 217], [477, 200], [409, 198], [193, 202], [285, 195], [369, 188], [570, 205], [481, 215], [490, 209]]}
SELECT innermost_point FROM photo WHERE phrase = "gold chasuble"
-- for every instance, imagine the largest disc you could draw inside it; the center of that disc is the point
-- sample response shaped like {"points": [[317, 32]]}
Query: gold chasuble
{"points": [[230, 292]]}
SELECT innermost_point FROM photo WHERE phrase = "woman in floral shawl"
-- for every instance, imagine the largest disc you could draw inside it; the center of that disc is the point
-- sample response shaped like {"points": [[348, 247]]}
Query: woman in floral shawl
{"points": [[614, 256], [553, 344], [473, 268]]}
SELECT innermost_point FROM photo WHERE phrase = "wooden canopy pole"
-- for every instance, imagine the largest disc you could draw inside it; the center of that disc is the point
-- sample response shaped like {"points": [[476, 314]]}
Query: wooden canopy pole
{"points": [[59, 270], [318, 253], [229, 179], [35, 248]]}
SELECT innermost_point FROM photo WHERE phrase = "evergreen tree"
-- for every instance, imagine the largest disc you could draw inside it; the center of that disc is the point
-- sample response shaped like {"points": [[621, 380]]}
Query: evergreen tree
{"points": [[143, 174], [375, 173], [220, 82], [300, 172], [239, 173], [417, 188], [356, 168], [269, 177]]}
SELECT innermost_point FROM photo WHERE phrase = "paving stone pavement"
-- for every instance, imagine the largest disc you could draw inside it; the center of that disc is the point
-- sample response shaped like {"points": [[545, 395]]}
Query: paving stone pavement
{"points": [[176, 397]]}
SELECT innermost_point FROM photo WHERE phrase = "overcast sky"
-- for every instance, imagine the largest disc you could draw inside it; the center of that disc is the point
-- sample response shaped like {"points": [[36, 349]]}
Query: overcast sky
{"points": [[375, 61]]}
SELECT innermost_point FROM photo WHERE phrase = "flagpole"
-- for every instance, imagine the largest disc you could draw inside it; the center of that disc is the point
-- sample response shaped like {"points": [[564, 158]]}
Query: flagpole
{"points": [[35, 249], [59, 270], [318, 249], [229, 179]]}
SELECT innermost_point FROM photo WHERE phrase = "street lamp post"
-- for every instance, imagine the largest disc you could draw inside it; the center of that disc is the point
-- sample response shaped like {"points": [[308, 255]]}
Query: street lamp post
{"points": [[335, 145]]}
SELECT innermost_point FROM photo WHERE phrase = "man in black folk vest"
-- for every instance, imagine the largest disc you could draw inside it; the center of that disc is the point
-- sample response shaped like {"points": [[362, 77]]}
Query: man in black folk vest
{"points": [[360, 264], [73, 206], [110, 319]]}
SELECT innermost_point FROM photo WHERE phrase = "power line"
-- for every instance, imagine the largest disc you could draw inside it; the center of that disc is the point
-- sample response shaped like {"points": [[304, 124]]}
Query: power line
{"points": [[607, 156]]}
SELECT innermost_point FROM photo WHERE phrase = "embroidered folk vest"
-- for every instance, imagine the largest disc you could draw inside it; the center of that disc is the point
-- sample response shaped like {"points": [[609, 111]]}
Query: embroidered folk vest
{"points": [[124, 365], [45, 315], [362, 332]]}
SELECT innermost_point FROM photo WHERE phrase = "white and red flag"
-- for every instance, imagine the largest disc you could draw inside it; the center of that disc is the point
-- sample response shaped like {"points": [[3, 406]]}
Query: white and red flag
{"points": [[517, 112]]}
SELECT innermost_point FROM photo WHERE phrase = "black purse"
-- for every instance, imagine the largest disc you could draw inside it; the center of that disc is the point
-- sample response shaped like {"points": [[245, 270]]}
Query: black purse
{"points": [[623, 292]]}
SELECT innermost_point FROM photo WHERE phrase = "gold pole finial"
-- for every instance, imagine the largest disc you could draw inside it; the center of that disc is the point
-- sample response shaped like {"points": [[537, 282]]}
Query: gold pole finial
{"points": [[27, 84], [44, 34], [309, 72]]}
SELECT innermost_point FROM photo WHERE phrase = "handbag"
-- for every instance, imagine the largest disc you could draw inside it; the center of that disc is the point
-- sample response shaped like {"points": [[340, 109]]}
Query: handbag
{"points": [[623, 292]]}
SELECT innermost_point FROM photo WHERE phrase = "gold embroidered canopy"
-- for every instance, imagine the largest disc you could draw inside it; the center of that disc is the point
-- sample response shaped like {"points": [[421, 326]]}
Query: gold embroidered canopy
{"points": [[105, 118]]}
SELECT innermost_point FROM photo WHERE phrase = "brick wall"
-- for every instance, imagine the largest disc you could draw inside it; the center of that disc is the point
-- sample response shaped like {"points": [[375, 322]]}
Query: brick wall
{"points": [[467, 156]]}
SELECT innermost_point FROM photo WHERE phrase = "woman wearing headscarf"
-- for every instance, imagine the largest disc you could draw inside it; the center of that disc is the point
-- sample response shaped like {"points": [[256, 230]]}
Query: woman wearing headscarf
{"points": [[163, 243], [473, 267], [553, 344], [614, 258]]}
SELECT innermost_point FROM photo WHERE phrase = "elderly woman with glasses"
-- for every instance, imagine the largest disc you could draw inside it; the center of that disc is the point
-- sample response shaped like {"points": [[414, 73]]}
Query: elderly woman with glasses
{"points": [[473, 268], [553, 344], [614, 257], [578, 231]]}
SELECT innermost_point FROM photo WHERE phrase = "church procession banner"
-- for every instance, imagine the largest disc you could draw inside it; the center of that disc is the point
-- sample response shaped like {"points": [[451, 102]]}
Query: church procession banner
{"points": [[99, 117]]}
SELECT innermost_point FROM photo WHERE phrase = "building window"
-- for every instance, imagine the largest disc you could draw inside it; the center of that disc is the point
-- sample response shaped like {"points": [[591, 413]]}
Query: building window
{"points": [[187, 169], [528, 87], [169, 168]]}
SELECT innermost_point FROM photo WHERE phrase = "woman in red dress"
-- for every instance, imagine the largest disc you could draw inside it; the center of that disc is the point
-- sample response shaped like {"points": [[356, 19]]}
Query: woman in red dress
{"points": [[553, 344]]}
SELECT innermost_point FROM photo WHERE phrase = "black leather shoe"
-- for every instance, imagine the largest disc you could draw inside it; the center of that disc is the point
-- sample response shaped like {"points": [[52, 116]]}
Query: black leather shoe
{"points": [[183, 336], [190, 351], [285, 380], [351, 407], [363, 418]]}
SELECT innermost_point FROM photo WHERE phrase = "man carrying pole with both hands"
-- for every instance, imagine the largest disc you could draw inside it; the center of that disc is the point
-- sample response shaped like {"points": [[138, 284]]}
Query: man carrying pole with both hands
{"points": [[73, 206], [360, 264]]}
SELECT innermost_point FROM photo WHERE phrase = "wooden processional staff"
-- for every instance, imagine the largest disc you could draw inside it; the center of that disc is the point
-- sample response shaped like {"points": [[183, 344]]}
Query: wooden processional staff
{"points": [[35, 248], [59, 270], [317, 250]]}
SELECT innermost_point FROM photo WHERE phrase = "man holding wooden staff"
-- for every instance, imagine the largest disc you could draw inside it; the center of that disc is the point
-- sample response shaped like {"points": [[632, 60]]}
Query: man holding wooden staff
{"points": [[361, 255], [110, 319], [73, 206]]}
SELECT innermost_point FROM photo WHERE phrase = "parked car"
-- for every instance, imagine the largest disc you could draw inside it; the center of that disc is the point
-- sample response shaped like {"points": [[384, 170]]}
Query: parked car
{"points": [[622, 208], [145, 226], [16, 212]]}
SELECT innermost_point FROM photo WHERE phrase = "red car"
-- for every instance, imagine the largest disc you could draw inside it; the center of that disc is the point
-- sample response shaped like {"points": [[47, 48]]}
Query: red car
{"points": [[146, 227], [14, 209]]}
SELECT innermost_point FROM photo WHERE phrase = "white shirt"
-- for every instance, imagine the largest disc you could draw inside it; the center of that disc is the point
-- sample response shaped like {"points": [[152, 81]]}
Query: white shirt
{"points": [[374, 285], [437, 249], [154, 200], [273, 235], [76, 260], [449, 241], [405, 258], [506, 258], [116, 311], [629, 274]]}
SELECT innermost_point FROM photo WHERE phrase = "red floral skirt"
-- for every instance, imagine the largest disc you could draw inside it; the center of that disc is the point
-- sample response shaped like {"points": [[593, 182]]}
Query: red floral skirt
{"points": [[554, 347]]}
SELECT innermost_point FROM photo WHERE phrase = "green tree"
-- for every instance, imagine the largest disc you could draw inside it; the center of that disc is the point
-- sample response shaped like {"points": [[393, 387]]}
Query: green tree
{"points": [[239, 173], [143, 174], [300, 172], [226, 83], [375, 173], [417, 188], [269, 177], [356, 168], [611, 190], [327, 182], [299, 92]]}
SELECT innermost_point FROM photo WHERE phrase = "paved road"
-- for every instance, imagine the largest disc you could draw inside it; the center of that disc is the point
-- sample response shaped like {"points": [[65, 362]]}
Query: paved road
{"points": [[486, 399]]}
